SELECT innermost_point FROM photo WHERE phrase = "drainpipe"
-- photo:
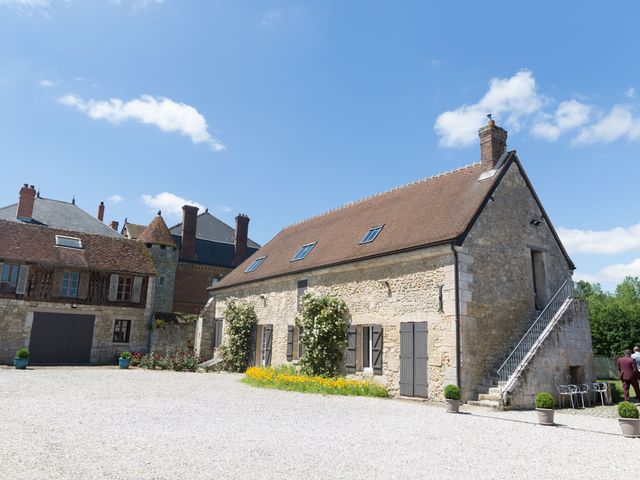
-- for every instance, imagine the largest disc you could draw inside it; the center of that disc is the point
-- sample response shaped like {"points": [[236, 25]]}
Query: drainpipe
{"points": [[457, 295]]}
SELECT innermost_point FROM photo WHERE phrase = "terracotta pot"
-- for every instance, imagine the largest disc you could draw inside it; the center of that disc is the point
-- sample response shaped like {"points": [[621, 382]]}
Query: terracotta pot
{"points": [[545, 416], [630, 427], [453, 406]]}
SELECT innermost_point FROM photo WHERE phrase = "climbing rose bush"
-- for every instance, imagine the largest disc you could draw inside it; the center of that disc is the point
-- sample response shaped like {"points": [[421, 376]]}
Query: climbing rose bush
{"points": [[240, 319], [322, 319]]}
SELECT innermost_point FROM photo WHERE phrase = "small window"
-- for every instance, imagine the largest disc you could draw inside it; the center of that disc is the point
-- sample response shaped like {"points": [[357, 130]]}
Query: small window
{"points": [[69, 287], [303, 252], [213, 280], [256, 263], [70, 242], [121, 331], [9, 277], [371, 235], [124, 288], [161, 281]]}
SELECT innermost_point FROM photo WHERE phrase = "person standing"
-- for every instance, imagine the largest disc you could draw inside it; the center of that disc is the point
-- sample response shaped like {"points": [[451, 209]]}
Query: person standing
{"points": [[636, 356], [628, 374]]}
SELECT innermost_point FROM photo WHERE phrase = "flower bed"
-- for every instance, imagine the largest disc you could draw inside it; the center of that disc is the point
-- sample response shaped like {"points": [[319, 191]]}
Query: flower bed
{"points": [[178, 360], [286, 378]]}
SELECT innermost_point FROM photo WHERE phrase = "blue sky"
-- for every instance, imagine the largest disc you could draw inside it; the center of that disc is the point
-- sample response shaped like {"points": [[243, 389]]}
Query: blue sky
{"points": [[282, 110]]}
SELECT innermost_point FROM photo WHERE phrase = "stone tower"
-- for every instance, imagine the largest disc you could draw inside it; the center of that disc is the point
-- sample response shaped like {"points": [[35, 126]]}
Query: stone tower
{"points": [[164, 252]]}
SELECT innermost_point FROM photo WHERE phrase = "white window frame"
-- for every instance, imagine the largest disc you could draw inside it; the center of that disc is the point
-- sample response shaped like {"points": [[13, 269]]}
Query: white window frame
{"points": [[62, 238], [369, 328]]}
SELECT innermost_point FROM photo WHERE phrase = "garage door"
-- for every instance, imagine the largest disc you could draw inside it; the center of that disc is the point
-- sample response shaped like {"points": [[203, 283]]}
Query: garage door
{"points": [[61, 338]]}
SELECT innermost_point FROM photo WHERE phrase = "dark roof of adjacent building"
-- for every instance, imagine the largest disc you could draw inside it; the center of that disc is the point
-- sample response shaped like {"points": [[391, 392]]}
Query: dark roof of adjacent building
{"points": [[157, 233], [214, 253], [428, 212], [212, 229], [23, 242], [132, 230], [63, 215]]}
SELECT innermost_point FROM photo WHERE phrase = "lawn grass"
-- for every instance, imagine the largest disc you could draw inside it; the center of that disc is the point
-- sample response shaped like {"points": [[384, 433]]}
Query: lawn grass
{"points": [[617, 393], [285, 378]]}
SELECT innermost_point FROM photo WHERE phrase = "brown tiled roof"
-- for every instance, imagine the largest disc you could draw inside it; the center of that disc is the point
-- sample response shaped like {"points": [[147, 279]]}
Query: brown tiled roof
{"points": [[426, 212], [157, 233], [134, 230], [37, 244]]}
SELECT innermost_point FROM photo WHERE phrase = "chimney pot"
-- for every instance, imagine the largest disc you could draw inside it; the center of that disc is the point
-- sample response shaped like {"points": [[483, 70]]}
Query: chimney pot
{"points": [[101, 211], [114, 225], [26, 200], [189, 226], [493, 143], [241, 239]]}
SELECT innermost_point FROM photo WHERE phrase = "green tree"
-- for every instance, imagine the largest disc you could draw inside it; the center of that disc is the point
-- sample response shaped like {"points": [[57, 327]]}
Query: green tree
{"points": [[240, 319]]}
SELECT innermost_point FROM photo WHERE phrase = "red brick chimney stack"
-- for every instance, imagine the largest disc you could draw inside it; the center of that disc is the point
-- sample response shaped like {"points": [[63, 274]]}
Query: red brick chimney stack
{"points": [[114, 225], [189, 224], [493, 143], [26, 200], [241, 240], [101, 211]]}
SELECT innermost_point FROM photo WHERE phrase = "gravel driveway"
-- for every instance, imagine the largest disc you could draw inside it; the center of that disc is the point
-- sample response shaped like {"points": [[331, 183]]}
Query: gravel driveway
{"points": [[86, 423]]}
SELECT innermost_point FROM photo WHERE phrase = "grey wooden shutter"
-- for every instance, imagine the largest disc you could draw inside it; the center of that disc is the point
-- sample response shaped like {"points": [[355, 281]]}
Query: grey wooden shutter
{"points": [[268, 333], [406, 359], [350, 361], [136, 289], [420, 359], [218, 330], [113, 287], [300, 344], [21, 287], [252, 347], [83, 285], [289, 343], [376, 348]]}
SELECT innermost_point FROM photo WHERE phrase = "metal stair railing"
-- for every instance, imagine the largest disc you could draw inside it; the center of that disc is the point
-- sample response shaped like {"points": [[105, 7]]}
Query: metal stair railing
{"points": [[509, 366]]}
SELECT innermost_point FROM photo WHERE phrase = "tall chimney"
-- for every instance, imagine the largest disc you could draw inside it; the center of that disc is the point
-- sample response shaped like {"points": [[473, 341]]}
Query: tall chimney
{"points": [[493, 143], [241, 240], [26, 200], [101, 211], [114, 225], [189, 224]]}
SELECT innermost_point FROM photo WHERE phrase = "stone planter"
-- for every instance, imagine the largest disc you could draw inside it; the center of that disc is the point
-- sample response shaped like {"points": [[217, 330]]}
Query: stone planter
{"points": [[20, 363], [545, 416], [124, 362], [453, 406], [630, 427]]}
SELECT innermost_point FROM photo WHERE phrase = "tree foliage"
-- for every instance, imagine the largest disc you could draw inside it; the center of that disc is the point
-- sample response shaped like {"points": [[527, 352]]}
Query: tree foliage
{"points": [[614, 317], [240, 319], [324, 334]]}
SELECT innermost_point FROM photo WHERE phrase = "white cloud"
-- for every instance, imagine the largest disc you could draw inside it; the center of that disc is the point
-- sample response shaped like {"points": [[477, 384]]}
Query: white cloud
{"points": [[170, 203], [601, 242], [619, 271], [26, 3], [630, 92], [116, 198], [47, 83], [569, 115], [619, 123], [271, 18], [508, 99], [164, 113]]}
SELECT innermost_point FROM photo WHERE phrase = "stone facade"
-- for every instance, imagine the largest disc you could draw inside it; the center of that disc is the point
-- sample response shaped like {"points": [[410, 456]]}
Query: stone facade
{"points": [[497, 299], [165, 259], [398, 288], [564, 356], [182, 335]]}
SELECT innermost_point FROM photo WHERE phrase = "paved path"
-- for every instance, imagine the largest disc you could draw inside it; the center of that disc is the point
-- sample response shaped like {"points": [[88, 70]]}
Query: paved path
{"points": [[87, 423]]}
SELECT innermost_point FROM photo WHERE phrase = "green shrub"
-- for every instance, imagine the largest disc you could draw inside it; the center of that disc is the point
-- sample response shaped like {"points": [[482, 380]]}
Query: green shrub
{"points": [[545, 400], [240, 320], [179, 360], [452, 392], [22, 353], [627, 410], [322, 319], [126, 355]]}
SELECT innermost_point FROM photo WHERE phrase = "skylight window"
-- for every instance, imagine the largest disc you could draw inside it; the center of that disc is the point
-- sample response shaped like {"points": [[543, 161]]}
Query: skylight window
{"points": [[371, 235], [303, 252], [70, 242], [256, 263]]}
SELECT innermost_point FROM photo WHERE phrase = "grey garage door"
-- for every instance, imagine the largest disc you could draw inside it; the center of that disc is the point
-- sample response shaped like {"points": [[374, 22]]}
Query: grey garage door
{"points": [[61, 338], [413, 359]]}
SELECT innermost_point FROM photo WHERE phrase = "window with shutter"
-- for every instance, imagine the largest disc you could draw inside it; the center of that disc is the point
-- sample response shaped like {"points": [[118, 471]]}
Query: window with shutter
{"points": [[21, 287], [136, 289], [267, 336], [9, 277], [113, 287], [290, 330]]}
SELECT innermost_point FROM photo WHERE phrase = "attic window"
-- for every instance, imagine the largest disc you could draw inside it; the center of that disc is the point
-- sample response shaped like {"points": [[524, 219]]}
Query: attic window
{"points": [[303, 252], [70, 242], [256, 263], [371, 235]]}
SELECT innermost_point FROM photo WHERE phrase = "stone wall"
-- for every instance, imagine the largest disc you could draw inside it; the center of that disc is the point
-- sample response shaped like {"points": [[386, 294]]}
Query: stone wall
{"points": [[181, 335], [564, 356], [16, 320], [387, 291], [497, 301], [165, 259]]}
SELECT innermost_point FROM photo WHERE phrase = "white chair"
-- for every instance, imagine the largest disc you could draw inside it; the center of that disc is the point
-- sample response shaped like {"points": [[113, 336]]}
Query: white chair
{"points": [[564, 391], [601, 388]]}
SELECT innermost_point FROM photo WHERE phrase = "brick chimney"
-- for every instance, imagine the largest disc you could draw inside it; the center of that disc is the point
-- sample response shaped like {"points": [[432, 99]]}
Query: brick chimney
{"points": [[493, 143], [101, 211], [114, 225], [241, 240], [189, 224], [26, 200]]}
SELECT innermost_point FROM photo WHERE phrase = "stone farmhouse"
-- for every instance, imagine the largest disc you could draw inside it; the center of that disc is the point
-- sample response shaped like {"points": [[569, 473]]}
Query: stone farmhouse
{"points": [[458, 278]]}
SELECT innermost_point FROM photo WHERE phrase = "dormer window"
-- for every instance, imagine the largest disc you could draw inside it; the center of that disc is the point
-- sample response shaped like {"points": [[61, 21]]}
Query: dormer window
{"points": [[371, 235], [69, 242], [256, 263], [303, 252]]}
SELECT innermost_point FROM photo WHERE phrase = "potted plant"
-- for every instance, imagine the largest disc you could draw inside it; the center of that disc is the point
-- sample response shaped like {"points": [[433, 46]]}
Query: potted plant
{"points": [[125, 360], [452, 396], [22, 359], [629, 421], [544, 405]]}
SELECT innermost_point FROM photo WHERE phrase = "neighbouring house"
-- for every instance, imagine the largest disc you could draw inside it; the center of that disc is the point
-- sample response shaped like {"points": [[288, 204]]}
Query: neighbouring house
{"points": [[72, 290], [459, 278]]}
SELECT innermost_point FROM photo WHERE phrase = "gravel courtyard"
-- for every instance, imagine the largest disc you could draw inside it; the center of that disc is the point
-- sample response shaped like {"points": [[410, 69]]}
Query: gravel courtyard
{"points": [[86, 423]]}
